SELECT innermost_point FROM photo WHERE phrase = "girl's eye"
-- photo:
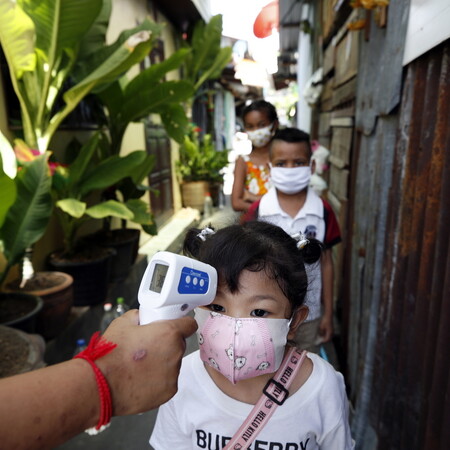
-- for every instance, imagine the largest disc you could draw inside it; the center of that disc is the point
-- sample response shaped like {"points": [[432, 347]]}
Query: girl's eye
{"points": [[301, 163], [259, 313], [216, 308], [279, 164]]}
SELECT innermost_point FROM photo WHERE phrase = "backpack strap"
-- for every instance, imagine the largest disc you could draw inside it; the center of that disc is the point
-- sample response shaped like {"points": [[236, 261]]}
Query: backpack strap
{"points": [[275, 394]]}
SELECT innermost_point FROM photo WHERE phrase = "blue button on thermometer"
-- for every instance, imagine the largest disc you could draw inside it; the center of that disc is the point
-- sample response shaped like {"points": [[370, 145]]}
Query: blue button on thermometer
{"points": [[173, 285]]}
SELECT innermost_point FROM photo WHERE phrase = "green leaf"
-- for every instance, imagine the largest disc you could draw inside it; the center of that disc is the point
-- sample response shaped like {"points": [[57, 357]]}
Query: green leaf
{"points": [[154, 97], [109, 69], [17, 35], [8, 193], [155, 73], [143, 170], [94, 40], [205, 45], [141, 211], [104, 53], [78, 167], [110, 208], [113, 98], [152, 229], [215, 69], [111, 170], [28, 217], [175, 121], [72, 206], [61, 24]]}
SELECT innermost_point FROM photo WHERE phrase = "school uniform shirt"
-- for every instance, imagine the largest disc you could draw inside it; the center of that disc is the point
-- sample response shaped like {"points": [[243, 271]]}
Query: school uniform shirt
{"points": [[315, 219], [201, 416]]}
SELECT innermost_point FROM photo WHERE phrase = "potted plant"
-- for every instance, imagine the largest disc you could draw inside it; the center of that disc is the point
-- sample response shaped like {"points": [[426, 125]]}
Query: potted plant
{"points": [[24, 213], [131, 100], [24, 223], [45, 43], [76, 193], [199, 167]]}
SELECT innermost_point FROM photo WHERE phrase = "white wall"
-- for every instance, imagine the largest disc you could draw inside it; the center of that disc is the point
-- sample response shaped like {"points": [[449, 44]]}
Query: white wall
{"points": [[428, 26], [304, 72]]}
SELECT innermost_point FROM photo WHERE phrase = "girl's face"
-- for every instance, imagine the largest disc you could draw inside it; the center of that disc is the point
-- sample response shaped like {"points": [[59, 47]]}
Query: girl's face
{"points": [[254, 120], [258, 296]]}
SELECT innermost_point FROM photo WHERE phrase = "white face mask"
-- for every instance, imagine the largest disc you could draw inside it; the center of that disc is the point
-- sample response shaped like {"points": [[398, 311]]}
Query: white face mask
{"points": [[241, 348], [261, 136], [290, 180]]}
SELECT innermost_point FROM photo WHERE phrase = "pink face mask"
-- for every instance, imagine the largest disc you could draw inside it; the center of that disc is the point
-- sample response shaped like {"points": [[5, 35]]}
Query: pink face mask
{"points": [[241, 348]]}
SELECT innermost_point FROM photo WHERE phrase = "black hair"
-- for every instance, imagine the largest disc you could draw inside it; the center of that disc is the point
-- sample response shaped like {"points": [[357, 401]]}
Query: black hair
{"points": [[262, 106], [256, 246], [293, 135]]}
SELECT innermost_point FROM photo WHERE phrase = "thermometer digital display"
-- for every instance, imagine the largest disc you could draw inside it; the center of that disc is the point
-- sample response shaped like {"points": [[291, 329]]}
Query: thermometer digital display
{"points": [[173, 285]]}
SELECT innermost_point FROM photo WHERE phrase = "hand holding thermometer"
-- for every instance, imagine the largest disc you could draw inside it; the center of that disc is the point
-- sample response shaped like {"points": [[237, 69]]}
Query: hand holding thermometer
{"points": [[173, 285]]}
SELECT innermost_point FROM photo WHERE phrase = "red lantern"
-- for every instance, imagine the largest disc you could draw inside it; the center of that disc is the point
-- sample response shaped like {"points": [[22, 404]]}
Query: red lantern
{"points": [[267, 20]]}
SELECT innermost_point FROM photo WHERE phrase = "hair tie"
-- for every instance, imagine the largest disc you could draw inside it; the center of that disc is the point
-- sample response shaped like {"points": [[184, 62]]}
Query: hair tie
{"points": [[301, 240], [205, 232]]}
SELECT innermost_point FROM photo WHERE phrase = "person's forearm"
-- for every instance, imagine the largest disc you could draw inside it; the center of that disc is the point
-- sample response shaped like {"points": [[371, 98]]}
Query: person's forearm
{"points": [[239, 204], [46, 407]]}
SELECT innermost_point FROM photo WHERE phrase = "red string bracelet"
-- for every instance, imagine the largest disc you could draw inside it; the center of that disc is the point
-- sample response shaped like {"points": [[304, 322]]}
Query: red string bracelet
{"points": [[97, 348]]}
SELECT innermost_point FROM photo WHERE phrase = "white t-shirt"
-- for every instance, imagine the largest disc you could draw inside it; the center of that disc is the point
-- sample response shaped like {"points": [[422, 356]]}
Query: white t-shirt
{"points": [[309, 220], [201, 416]]}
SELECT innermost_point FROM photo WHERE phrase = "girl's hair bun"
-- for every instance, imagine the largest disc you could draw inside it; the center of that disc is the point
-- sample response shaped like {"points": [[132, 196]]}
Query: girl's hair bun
{"points": [[194, 240], [311, 251]]}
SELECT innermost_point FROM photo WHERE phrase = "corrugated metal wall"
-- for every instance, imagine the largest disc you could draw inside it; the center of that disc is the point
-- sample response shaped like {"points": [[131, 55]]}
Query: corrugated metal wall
{"points": [[398, 299]]}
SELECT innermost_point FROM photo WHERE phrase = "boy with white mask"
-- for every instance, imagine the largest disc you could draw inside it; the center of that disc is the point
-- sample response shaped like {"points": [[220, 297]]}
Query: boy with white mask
{"points": [[295, 207], [244, 345]]}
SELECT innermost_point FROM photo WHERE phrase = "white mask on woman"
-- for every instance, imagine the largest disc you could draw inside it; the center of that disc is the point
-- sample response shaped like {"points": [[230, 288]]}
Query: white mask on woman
{"points": [[290, 180], [261, 136]]}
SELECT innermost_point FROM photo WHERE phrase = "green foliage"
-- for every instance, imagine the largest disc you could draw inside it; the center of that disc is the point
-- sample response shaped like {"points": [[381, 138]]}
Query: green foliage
{"points": [[199, 160], [206, 59], [148, 93], [25, 210], [76, 189], [41, 41]]}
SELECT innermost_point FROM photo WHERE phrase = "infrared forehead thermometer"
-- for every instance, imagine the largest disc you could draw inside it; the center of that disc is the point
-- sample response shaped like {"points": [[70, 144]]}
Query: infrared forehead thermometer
{"points": [[173, 285]]}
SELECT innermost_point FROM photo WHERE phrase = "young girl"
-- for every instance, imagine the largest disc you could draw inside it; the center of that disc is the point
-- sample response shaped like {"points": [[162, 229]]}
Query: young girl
{"points": [[251, 173], [243, 339]]}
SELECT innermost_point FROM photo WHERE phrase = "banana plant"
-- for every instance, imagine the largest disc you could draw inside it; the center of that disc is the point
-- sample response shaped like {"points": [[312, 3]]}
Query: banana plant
{"points": [[207, 59], [148, 93], [42, 42], [76, 189], [25, 206]]}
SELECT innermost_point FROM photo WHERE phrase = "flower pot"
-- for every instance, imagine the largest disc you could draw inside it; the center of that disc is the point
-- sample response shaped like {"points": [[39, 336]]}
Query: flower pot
{"points": [[193, 194], [90, 270], [125, 241], [19, 352], [56, 291], [20, 310]]}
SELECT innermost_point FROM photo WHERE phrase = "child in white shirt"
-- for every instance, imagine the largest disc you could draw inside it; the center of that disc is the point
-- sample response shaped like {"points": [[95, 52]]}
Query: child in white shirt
{"points": [[243, 337]]}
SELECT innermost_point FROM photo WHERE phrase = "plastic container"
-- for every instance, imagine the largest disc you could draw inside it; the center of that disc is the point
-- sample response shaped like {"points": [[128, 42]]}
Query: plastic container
{"points": [[121, 307], [207, 205], [108, 316]]}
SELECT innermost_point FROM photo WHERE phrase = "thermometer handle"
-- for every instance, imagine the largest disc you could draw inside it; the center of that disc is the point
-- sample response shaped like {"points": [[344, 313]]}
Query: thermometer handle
{"points": [[147, 315]]}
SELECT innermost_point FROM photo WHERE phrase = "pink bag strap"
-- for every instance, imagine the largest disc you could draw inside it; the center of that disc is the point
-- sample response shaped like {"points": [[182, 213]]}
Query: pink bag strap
{"points": [[275, 393]]}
